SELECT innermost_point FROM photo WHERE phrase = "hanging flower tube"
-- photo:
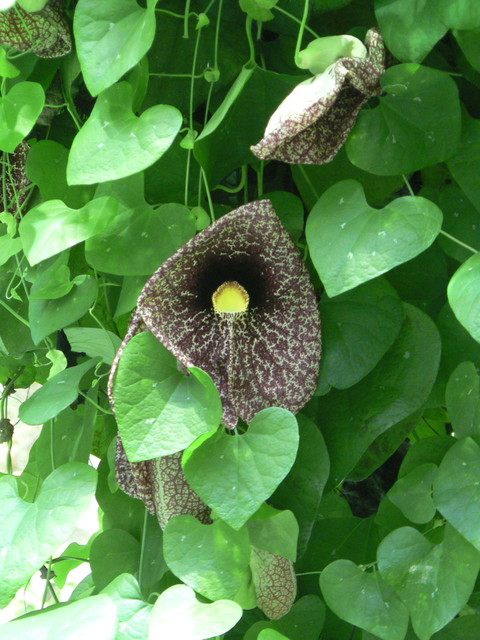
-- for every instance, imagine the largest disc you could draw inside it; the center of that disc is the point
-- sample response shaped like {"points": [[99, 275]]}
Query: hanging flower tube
{"points": [[314, 120]]}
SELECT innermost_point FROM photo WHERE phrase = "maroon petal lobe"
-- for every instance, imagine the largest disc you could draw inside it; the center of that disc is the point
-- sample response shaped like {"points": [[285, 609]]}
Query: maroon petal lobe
{"points": [[16, 180], [313, 122], [265, 356], [45, 32]]}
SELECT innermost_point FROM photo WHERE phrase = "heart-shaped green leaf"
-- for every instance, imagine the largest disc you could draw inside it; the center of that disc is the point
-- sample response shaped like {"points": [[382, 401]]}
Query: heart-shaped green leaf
{"points": [[132, 610], [407, 131], [32, 531], [178, 614], [464, 295], [409, 27], [94, 342], [114, 143], [364, 600], [463, 401], [111, 38], [412, 494], [19, 110], [456, 490], [433, 581], [274, 531], [357, 329], [213, 558], [46, 316], [350, 242], [113, 552], [465, 162], [234, 474], [160, 410], [138, 224], [96, 616], [51, 226], [55, 395]]}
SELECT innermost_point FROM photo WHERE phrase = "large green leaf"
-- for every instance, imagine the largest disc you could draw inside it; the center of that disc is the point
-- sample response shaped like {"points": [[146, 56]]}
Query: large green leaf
{"points": [[463, 401], [19, 109], [47, 316], [153, 233], [302, 489], [407, 131], [234, 474], [274, 531], [464, 295], [456, 489], [51, 227], [434, 581], [410, 28], [115, 143], [55, 395], [159, 409], [213, 558], [32, 531], [111, 37], [357, 329], [178, 614], [113, 552], [464, 165], [364, 600], [93, 617], [459, 14], [352, 419], [350, 242]]}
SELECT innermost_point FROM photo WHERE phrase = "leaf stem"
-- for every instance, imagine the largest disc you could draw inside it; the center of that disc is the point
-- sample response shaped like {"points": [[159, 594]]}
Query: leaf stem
{"points": [[14, 313], [295, 19], [209, 196], [185, 19], [459, 242], [251, 46], [303, 23], [142, 549], [95, 404], [309, 573]]}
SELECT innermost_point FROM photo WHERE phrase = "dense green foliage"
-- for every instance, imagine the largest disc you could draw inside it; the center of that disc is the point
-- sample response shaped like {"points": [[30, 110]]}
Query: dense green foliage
{"points": [[113, 156]]}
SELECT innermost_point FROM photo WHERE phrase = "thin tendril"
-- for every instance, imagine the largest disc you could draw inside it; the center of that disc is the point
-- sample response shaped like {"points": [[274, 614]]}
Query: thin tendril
{"points": [[303, 23]]}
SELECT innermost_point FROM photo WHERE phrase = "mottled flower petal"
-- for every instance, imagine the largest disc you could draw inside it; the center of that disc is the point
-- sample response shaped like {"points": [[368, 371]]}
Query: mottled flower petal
{"points": [[16, 180], [313, 122], [274, 581], [45, 32], [265, 356]]}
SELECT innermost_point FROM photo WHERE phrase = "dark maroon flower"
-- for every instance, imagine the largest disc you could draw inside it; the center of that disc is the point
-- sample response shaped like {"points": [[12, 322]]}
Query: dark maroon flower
{"points": [[313, 122]]}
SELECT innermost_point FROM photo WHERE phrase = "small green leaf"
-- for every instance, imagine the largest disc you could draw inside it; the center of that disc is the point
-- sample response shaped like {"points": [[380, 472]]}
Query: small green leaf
{"points": [[456, 490], [234, 474], [258, 9], [95, 616], [52, 279], [113, 552], [274, 531], [7, 69], [19, 109], [364, 600], [115, 143], [32, 531], [111, 38], [410, 28], [407, 131], [51, 227], [46, 166], [160, 410], [132, 610], [55, 395], [32, 5], [94, 342], [178, 614], [8, 248], [433, 581], [213, 558], [358, 327], [46, 316], [464, 295], [350, 242], [463, 401], [464, 165], [412, 494]]}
